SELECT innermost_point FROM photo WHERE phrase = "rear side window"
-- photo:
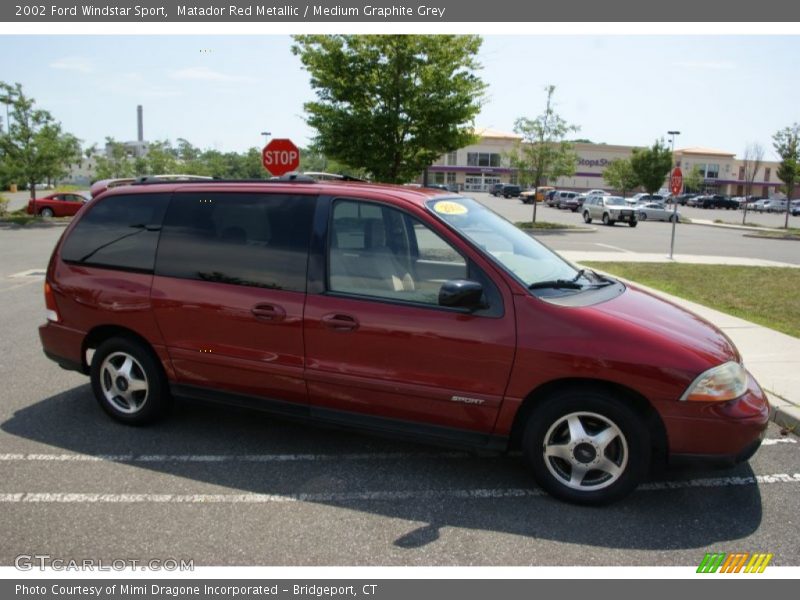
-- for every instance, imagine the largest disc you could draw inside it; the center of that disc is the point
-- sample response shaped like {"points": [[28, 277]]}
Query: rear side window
{"points": [[118, 232], [258, 240]]}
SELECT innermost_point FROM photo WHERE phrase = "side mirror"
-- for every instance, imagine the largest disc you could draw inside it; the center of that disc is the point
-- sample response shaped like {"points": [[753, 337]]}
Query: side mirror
{"points": [[461, 293]]}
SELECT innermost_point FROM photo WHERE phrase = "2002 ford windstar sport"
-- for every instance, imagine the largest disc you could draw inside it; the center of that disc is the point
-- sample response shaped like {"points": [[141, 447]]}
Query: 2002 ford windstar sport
{"points": [[407, 311]]}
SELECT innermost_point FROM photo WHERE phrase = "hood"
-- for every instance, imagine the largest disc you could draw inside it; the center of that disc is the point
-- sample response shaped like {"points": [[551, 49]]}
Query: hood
{"points": [[665, 323]]}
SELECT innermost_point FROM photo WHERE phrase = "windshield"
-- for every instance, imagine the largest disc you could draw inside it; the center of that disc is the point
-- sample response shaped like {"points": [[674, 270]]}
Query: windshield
{"points": [[516, 251], [615, 201]]}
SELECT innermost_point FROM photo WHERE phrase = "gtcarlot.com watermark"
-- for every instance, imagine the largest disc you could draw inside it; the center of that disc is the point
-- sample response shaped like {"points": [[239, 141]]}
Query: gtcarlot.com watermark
{"points": [[42, 562]]}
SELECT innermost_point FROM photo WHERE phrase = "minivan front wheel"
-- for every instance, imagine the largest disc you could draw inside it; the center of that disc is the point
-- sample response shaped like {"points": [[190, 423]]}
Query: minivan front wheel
{"points": [[128, 382], [586, 447]]}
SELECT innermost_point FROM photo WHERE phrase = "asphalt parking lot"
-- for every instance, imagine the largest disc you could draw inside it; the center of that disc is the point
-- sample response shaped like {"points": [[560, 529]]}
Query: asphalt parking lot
{"points": [[654, 236], [230, 487]]}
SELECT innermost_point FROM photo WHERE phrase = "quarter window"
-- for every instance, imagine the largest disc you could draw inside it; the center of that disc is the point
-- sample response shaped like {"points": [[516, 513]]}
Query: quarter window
{"points": [[381, 252], [118, 232], [258, 240]]}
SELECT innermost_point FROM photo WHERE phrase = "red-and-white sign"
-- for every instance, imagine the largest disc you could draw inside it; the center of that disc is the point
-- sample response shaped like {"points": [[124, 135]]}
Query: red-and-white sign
{"points": [[676, 181], [280, 156]]}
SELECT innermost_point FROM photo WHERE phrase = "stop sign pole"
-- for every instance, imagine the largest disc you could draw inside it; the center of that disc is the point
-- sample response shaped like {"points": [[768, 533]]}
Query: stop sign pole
{"points": [[675, 186], [280, 156]]}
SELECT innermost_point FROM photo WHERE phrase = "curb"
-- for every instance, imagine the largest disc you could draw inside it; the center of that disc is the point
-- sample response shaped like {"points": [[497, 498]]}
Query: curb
{"points": [[34, 224], [784, 414], [772, 237], [732, 226]]}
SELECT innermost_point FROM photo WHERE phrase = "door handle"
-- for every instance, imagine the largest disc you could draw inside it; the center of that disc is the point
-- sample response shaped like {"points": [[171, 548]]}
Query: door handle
{"points": [[268, 312], [339, 322]]}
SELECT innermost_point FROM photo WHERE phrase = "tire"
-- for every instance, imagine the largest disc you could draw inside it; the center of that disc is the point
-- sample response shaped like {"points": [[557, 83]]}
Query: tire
{"points": [[586, 217], [642, 216], [47, 213], [580, 427], [673, 219], [128, 382], [633, 223], [607, 220]]}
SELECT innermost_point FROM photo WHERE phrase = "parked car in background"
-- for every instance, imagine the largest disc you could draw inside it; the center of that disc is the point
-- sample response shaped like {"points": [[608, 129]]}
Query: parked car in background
{"points": [[56, 205], [682, 198], [643, 197], [609, 209], [794, 207], [510, 190], [715, 201], [774, 205], [495, 189], [597, 192], [758, 205], [551, 198], [565, 200], [655, 211], [572, 202], [540, 193]]}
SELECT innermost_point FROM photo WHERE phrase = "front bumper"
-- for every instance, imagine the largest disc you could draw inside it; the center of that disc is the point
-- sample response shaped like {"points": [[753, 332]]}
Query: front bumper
{"points": [[724, 433]]}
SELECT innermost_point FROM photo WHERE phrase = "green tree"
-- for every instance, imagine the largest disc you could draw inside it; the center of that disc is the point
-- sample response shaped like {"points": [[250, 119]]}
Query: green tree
{"points": [[161, 159], [693, 180], [33, 146], [391, 104], [115, 162], [652, 165], [787, 144], [544, 153], [619, 174]]}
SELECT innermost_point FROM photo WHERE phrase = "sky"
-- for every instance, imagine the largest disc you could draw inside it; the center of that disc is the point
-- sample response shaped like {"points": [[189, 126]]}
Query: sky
{"points": [[222, 91]]}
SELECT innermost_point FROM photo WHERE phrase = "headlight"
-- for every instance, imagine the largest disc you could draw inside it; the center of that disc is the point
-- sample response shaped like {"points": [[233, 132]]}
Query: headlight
{"points": [[725, 382]]}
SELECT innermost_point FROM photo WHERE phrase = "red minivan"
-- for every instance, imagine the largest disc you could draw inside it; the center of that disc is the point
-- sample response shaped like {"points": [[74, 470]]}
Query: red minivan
{"points": [[406, 311]]}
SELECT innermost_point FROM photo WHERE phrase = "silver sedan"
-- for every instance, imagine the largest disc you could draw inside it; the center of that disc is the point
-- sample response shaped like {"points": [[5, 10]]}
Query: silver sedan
{"points": [[655, 211]]}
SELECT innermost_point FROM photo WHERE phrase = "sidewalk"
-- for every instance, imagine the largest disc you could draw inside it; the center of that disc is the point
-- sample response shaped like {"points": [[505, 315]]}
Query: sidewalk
{"points": [[655, 257], [771, 356]]}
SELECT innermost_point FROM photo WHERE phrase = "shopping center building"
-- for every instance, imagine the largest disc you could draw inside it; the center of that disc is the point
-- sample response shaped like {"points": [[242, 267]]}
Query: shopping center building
{"points": [[478, 166]]}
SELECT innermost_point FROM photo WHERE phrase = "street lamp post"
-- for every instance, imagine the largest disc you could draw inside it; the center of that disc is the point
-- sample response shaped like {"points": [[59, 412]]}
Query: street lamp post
{"points": [[672, 135], [266, 135]]}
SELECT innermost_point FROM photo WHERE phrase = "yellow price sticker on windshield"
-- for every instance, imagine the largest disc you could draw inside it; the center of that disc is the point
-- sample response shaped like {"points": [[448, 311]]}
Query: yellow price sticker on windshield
{"points": [[448, 207]]}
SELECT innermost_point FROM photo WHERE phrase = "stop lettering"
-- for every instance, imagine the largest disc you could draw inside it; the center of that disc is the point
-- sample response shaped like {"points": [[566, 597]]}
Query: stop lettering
{"points": [[280, 156]]}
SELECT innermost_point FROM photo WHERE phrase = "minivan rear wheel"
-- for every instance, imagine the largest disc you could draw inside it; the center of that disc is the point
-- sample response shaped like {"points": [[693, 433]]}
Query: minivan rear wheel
{"points": [[128, 382], [586, 447]]}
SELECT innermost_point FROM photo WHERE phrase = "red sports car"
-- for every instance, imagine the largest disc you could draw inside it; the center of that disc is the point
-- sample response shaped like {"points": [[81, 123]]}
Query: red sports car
{"points": [[56, 205]]}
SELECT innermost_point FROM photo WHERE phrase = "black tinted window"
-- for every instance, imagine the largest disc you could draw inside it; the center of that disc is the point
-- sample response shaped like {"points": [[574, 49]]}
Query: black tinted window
{"points": [[118, 232], [245, 239]]}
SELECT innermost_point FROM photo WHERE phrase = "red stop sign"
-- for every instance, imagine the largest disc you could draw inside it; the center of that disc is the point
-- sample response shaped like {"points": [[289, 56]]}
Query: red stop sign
{"points": [[676, 181], [280, 156]]}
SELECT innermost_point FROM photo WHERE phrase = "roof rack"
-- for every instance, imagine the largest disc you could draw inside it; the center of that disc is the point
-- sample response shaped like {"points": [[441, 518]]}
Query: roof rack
{"points": [[159, 179], [292, 177]]}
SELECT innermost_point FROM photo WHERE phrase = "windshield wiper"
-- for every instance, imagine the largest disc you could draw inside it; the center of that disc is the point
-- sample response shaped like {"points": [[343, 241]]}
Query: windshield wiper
{"points": [[572, 284], [556, 284]]}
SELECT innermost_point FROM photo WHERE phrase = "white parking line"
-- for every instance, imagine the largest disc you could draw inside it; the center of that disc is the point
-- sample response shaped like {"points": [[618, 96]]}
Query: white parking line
{"points": [[80, 498], [224, 458], [37, 273], [617, 248], [773, 441], [216, 458]]}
